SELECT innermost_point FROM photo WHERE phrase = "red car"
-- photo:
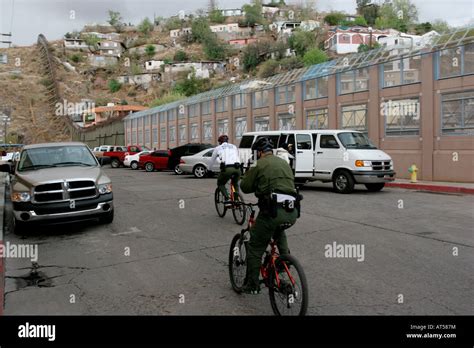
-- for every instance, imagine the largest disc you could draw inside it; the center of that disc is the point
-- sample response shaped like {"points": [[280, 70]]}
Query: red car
{"points": [[156, 160]]}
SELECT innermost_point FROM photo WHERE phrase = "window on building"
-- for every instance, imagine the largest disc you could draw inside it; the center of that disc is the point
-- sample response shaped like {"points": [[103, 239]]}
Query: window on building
{"points": [[171, 115], [134, 123], [316, 88], [449, 62], [206, 107], [469, 59], [172, 134], [401, 71], [286, 122], [162, 117], [354, 117], [402, 117], [207, 130], [457, 113], [140, 137], [240, 127], [223, 127], [260, 99], [193, 110], [147, 137], [154, 138], [155, 119], [262, 124], [194, 131], [163, 135], [221, 104], [317, 119], [182, 133], [285, 94], [239, 101], [134, 137], [140, 122], [181, 112], [353, 81]]}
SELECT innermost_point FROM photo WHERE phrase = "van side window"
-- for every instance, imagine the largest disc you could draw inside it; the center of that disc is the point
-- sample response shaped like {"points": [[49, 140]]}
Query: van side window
{"points": [[304, 142], [328, 142], [274, 138], [246, 142]]}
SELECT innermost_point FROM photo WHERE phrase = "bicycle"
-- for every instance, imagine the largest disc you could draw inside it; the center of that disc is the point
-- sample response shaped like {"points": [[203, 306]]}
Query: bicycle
{"points": [[238, 211], [276, 272]]}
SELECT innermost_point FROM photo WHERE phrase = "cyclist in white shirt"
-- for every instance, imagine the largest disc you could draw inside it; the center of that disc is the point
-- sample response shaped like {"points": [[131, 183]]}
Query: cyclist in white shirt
{"points": [[228, 155]]}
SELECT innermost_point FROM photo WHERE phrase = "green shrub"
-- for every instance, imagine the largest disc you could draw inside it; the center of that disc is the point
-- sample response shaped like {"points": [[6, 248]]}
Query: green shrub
{"points": [[114, 85], [180, 56], [269, 68], [314, 56]]}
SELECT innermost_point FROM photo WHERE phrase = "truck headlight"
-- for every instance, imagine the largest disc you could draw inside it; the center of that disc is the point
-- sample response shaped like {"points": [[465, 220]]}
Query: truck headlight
{"points": [[21, 197], [360, 163], [105, 188]]}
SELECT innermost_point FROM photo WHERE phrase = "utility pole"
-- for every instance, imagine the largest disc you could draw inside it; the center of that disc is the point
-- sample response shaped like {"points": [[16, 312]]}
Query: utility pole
{"points": [[7, 42]]}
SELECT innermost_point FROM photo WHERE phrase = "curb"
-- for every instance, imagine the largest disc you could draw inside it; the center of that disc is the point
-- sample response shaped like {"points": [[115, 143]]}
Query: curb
{"points": [[3, 179], [432, 188]]}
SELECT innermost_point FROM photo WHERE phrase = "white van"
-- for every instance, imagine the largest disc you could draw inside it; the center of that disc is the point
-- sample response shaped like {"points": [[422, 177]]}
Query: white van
{"points": [[343, 157]]}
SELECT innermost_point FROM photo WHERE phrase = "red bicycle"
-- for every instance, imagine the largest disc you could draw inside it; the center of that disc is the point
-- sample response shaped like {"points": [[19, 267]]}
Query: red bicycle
{"points": [[283, 275]]}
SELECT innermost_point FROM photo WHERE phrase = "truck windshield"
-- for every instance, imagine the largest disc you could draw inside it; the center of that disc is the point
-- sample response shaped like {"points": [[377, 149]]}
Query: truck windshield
{"points": [[354, 140], [56, 156]]}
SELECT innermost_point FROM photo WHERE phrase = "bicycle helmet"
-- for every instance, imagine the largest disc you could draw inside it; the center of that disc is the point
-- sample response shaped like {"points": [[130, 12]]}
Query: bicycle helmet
{"points": [[263, 144], [223, 139]]}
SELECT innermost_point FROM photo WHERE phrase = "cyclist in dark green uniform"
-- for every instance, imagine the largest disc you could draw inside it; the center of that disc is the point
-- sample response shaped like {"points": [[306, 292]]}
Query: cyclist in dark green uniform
{"points": [[272, 181]]}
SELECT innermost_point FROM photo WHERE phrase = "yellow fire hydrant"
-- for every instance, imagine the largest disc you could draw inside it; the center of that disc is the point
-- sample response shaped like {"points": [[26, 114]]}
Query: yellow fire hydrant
{"points": [[413, 171]]}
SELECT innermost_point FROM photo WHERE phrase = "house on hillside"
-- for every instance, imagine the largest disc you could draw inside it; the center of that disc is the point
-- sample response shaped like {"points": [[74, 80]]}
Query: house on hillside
{"points": [[176, 33], [110, 48], [151, 65], [284, 26], [143, 80], [75, 44], [202, 69], [243, 42], [98, 61], [399, 40], [343, 40], [103, 114], [233, 12], [3, 58], [225, 28]]}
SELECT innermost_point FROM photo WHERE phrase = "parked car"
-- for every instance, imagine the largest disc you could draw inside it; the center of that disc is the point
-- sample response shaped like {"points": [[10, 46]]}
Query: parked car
{"points": [[184, 150], [131, 161], [117, 156], [343, 157], [56, 183], [156, 160], [199, 164]]}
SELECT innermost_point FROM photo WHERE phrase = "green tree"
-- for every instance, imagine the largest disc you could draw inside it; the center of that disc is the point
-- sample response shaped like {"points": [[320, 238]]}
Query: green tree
{"points": [[423, 28], [360, 21], [216, 16], [254, 54], [291, 63], [302, 41], [180, 56], [115, 20], [192, 86], [145, 27], [150, 50], [268, 68], [114, 85], [214, 49], [334, 18], [366, 48], [440, 26], [92, 41], [200, 30], [398, 14], [253, 14], [314, 56]]}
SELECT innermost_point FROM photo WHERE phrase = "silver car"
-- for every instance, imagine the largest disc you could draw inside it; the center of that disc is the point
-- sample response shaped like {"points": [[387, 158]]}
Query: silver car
{"points": [[199, 164]]}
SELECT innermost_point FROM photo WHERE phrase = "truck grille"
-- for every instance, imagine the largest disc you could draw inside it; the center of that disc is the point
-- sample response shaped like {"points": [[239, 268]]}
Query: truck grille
{"points": [[381, 165], [64, 191]]}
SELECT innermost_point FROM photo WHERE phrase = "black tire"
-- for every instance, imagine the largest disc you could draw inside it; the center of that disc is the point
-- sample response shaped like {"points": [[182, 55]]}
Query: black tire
{"points": [[115, 163], [134, 165], [375, 187], [239, 212], [149, 167], [287, 289], [343, 182], [107, 218], [237, 263], [200, 171], [178, 171], [219, 200]]}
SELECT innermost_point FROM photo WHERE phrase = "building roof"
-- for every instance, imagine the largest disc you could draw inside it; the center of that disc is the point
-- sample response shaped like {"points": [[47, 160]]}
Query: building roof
{"points": [[119, 108]]}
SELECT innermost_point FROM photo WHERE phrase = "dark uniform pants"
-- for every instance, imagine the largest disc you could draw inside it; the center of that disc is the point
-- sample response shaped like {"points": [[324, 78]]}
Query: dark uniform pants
{"points": [[224, 176], [261, 233]]}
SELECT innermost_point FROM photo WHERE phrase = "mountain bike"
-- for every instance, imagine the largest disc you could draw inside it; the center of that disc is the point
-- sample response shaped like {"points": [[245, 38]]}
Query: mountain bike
{"points": [[238, 210], [283, 275]]}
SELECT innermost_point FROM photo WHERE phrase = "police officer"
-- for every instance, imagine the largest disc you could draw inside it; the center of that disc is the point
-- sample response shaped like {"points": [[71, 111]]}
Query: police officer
{"points": [[229, 165], [272, 181]]}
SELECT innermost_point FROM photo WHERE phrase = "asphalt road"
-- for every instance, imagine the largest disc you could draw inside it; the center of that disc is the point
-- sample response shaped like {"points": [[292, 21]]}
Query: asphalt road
{"points": [[159, 257]]}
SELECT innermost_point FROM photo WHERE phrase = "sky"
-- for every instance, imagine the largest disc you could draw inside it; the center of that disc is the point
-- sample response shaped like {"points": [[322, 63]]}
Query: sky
{"points": [[53, 18]]}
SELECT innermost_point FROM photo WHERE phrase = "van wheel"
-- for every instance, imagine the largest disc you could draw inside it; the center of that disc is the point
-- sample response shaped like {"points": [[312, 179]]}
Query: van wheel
{"points": [[115, 163], [343, 182], [150, 167], [375, 187]]}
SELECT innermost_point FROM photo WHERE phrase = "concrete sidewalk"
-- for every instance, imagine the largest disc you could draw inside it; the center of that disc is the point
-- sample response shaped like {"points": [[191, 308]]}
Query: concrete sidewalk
{"points": [[434, 186]]}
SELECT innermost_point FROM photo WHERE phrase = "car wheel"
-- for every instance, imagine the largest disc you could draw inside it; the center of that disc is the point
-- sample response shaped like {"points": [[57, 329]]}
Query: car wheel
{"points": [[115, 163], [150, 167], [375, 187], [177, 171], [199, 171], [107, 218], [134, 165], [343, 182]]}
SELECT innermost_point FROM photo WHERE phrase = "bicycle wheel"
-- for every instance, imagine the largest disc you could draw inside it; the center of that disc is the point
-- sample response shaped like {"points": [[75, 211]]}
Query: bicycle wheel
{"points": [[239, 211], [219, 200], [289, 298], [238, 262]]}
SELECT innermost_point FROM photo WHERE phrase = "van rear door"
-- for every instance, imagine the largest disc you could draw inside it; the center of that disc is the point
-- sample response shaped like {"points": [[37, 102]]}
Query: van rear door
{"points": [[304, 156]]}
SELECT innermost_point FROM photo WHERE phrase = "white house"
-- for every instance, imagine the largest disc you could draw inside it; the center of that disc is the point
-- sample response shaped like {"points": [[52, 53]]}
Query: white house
{"points": [[180, 32], [153, 64], [284, 26], [110, 48], [75, 44], [342, 41], [225, 28], [233, 12], [309, 25], [402, 40]]}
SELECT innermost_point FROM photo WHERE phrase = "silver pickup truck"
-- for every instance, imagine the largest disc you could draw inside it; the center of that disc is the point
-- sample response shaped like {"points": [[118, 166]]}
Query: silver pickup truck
{"points": [[57, 183]]}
